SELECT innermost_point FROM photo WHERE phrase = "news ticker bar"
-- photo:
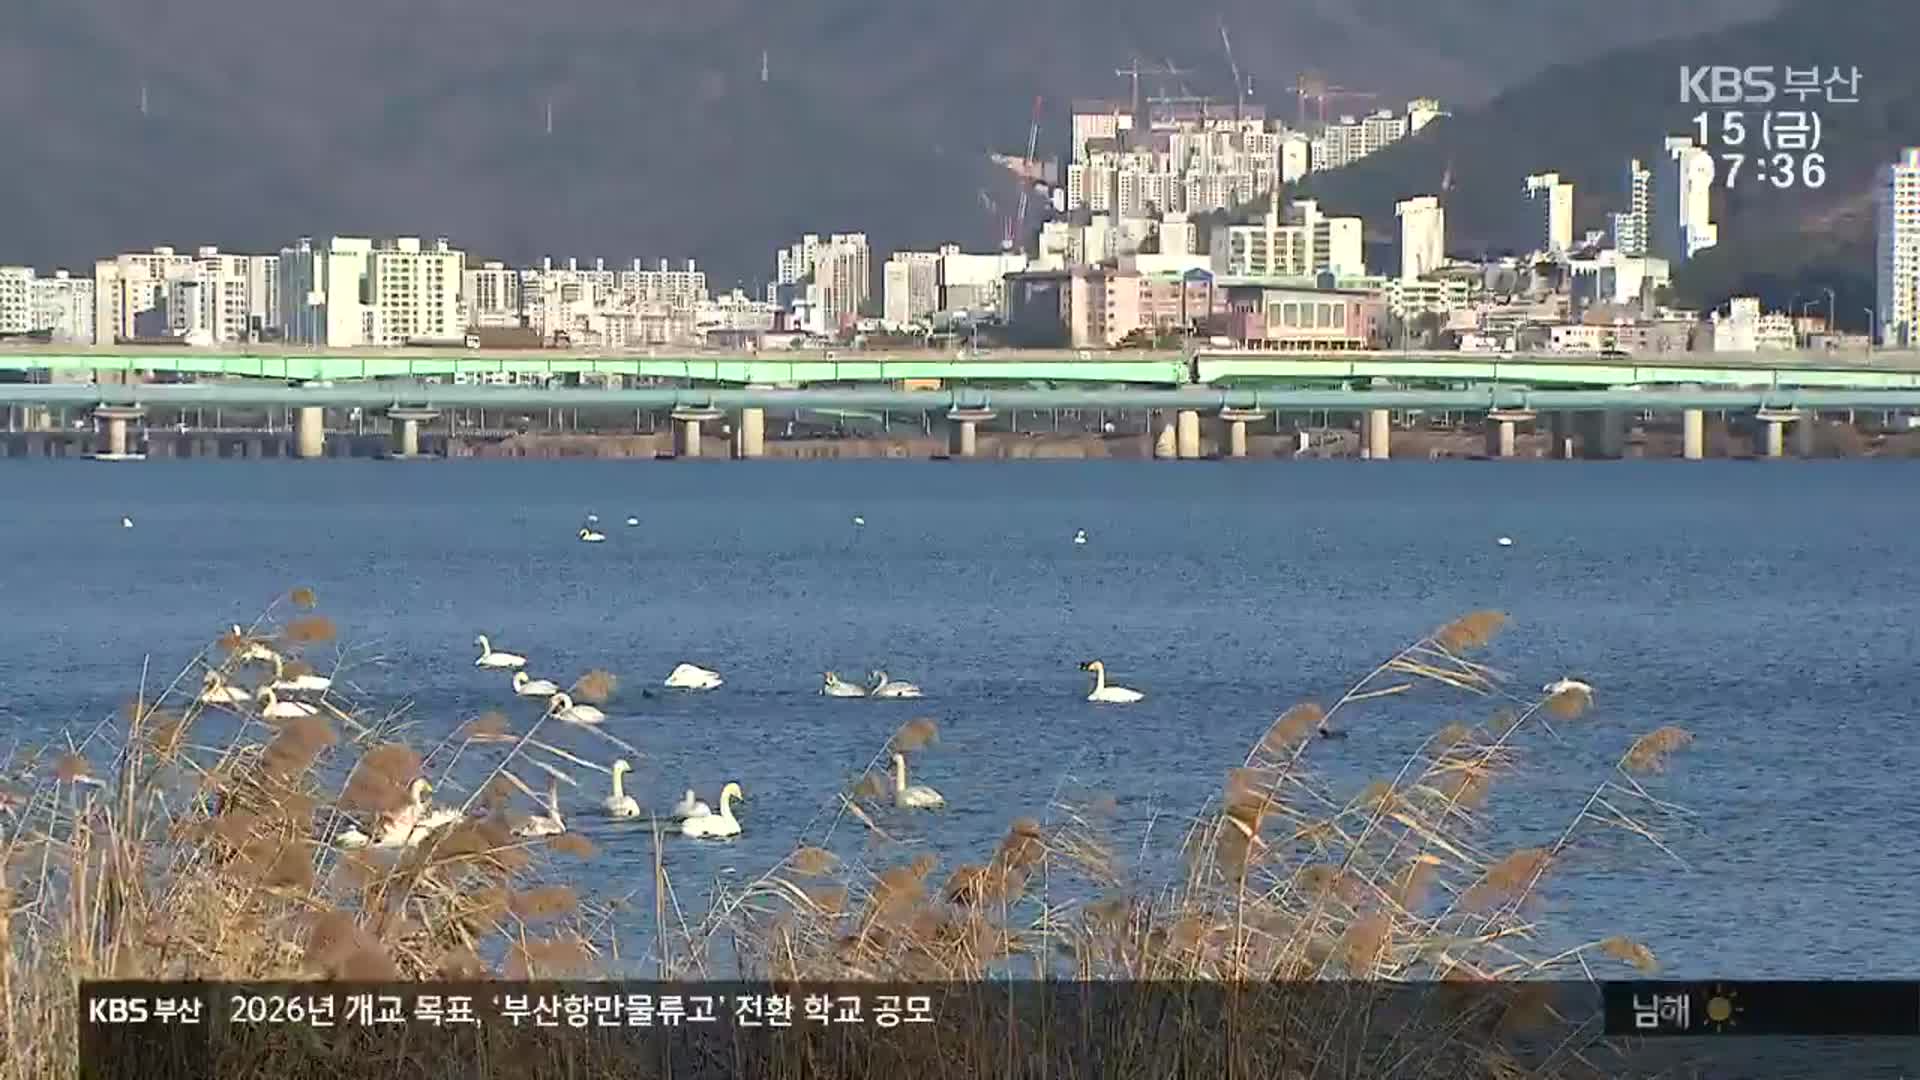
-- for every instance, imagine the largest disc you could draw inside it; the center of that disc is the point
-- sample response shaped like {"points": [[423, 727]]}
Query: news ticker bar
{"points": [[1643, 1008]]}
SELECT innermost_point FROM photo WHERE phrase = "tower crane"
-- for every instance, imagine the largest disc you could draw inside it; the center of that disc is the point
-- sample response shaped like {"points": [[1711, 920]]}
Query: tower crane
{"points": [[1019, 219]]}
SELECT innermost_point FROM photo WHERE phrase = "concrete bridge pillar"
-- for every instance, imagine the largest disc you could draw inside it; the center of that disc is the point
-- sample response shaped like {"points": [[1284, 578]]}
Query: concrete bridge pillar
{"points": [[1166, 442], [1503, 431], [1605, 434], [1236, 421], [1376, 441], [963, 431], [1187, 434], [1693, 434], [750, 436], [406, 429], [310, 432], [116, 418], [1772, 438], [686, 430], [1803, 433]]}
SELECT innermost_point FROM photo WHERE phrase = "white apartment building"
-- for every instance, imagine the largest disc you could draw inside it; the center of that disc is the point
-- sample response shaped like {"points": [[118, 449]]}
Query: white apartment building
{"points": [[490, 294], [323, 292], [415, 291], [63, 305], [1897, 271], [1352, 138], [131, 293], [1632, 227], [1553, 201], [1098, 121], [1421, 112], [833, 277], [1309, 244], [1423, 236], [16, 299], [353, 291], [1745, 328], [1407, 297], [910, 289], [1683, 196]]}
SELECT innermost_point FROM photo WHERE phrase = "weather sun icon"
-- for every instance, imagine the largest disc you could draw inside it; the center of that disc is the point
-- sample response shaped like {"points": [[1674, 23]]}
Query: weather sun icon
{"points": [[1723, 1009]]}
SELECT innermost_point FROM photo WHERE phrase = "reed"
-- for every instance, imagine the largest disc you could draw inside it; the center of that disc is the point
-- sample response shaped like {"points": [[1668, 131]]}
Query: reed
{"points": [[180, 842]]}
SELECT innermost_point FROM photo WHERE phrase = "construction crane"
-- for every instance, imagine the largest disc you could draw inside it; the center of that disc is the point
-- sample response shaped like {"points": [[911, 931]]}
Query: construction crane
{"points": [[1241, 88], [1311, 86], [1019, 219]]}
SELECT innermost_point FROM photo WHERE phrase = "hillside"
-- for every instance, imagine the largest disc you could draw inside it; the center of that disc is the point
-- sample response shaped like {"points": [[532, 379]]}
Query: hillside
{"points": [[266, 120], [1586, 120]]}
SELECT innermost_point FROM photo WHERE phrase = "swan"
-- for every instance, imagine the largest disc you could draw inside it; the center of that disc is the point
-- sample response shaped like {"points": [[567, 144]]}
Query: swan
{"points": [[1505, 541], [493, 658], [919, 795], [1567, 686], [591, 536], [884, 688], [1113, 695], [859, 521], [690, 806], [1080, 536], [527, 687], [214, 690], [621, 804], [126, 523], [547, 824], [693, 677], [720, 824], [632, 522], [252, 650], [407, 826], [835, 686], [561, 707], [273, 708], [298, 683]]}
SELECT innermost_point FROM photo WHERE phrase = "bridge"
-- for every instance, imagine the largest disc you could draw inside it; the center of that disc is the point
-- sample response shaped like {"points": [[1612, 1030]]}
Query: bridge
{"points": [[415, 386]]}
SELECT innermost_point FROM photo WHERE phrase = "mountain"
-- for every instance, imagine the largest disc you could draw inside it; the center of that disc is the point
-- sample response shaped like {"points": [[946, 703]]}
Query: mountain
{"points": [[1585, 120], [265, 120]]}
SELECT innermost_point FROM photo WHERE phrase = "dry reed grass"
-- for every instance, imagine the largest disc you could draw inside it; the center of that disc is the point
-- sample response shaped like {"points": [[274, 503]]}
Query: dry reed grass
{"points": [[197, 861]]}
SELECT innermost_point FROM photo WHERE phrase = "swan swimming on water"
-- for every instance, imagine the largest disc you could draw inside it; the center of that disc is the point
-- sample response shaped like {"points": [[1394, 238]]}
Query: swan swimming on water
{"points": [[407, 826], [527, 687], [834, 686], [547, 824], [126, 523], [690, 806], [621, 804], [1567, 686], [720, 824], [562, 708], [591, 536], [214, 690], [1114, 695], [693, 677], [1080, 536], [308, 683], [251, 650], [917, 796], [273, 708], [493, 658], [882, 687], [632, 521]]}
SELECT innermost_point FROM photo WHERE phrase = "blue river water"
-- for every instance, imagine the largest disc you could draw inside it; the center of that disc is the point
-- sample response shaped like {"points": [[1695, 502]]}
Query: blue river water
{"points": [[1769, 609]]}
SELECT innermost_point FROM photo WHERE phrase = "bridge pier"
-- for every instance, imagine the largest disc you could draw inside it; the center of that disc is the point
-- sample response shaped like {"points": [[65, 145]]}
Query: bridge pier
{"points": [[1502, 433], [116, 418], [963, 431], [406, 431], [686, 430], [1187, 434], [1236, 421], [1376, 438], [1166, 444], [1693, 434], [750, 435], [1605, 435], [1804, 430], [310, 432]]}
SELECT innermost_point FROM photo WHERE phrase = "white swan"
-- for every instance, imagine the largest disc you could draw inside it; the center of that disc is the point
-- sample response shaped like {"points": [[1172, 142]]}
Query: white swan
{"points": [[527, 687], [859, 521], [591, 536], [885, 688], [126, 523], [491, 657], [547, 824], [693, 677], [834, 686], [251, 650], [621, 804], [1567, 686], [298, 684], [407, 826], [273, 708], [632, 521], [720, 824], [1080, 536], [1113, 695], [690, 806], [214, 690], [919, 795], [561, 707]]}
